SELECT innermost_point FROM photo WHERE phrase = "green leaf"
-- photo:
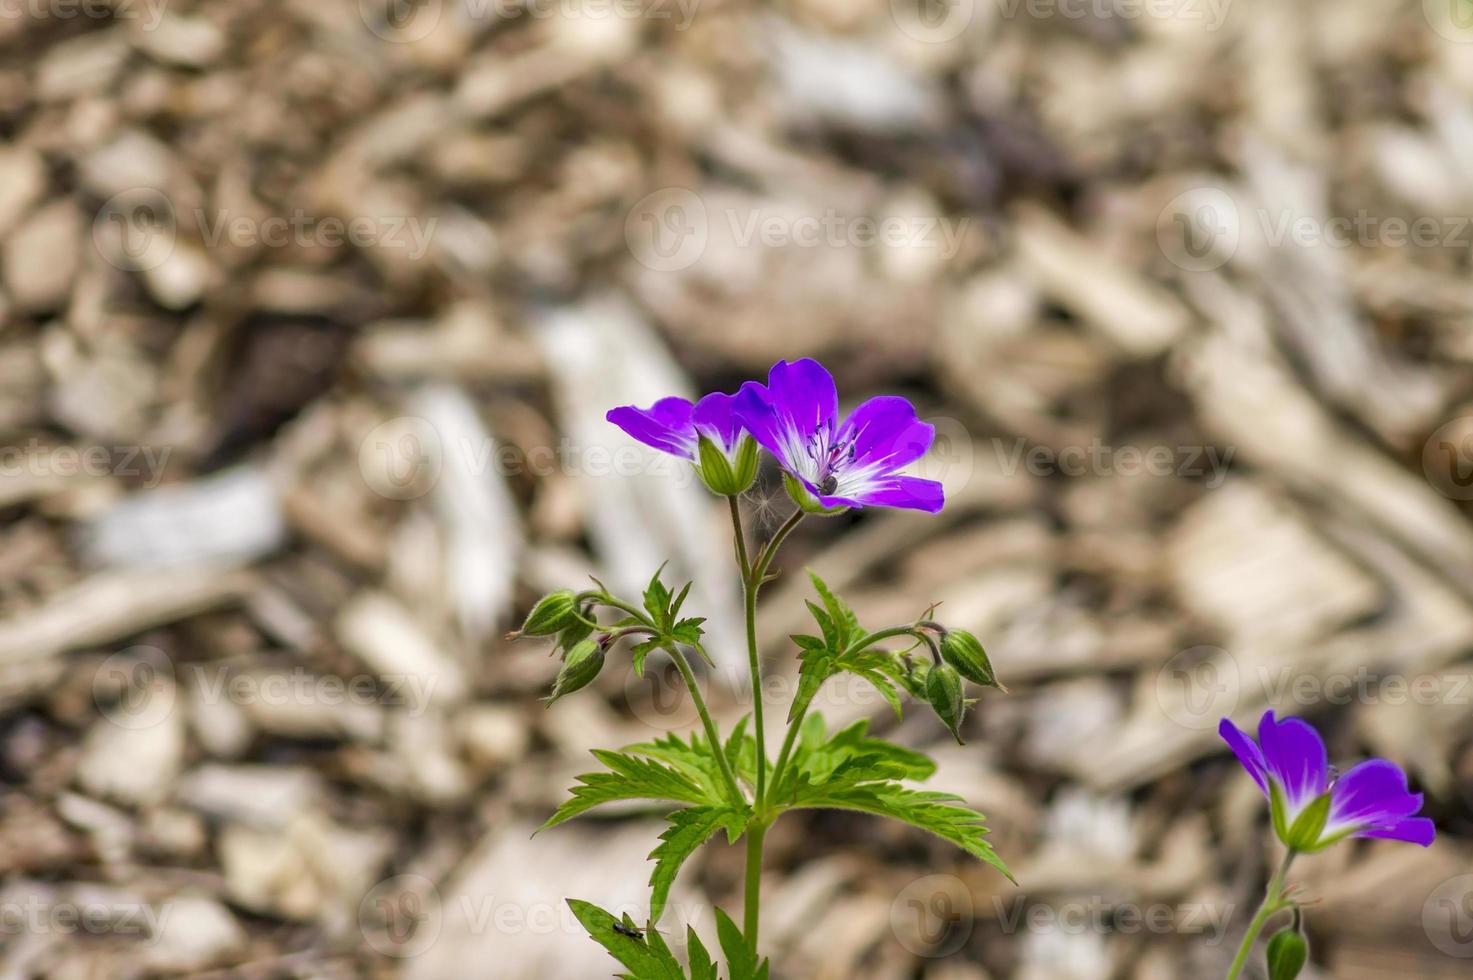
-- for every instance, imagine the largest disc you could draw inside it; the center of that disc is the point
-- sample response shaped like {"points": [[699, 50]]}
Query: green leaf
{"points": [[702, 967], [849, 770], [648, 957], [640, 653], [689, 829], [629, 778], [741, 962], [695, 760], [689, 631], [941, 814], [840, 614], [657, 601]]}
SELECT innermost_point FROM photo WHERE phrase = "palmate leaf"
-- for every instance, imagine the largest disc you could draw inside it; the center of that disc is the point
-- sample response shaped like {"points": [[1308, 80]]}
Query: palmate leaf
{"points": [[628, 778], [941, 814], [695, 760], [647, 956], [823, 657], [849, 770], [689, 829]]}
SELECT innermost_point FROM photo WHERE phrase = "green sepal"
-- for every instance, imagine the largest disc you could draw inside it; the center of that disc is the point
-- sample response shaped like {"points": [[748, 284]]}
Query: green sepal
{"points": [[1288, 951], [1309, 827], [806, 501], [553, 613], [723, 475]]}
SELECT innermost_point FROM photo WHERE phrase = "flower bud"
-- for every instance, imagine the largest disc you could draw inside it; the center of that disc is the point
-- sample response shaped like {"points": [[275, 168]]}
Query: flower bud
{"points": [[944, 691], [964, 652], [725, 475], [553, 613], [806, 501], [1288, 951], [581, 665]]}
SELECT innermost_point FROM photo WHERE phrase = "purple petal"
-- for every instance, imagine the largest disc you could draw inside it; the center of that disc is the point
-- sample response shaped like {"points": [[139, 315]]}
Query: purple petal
{"points": [[1414, 830], [666, 425], [907, 492], [1294, 754], [1372, 794], [1247, 752], [787, 415], [803, 395], [715, 418], [886, 434]]}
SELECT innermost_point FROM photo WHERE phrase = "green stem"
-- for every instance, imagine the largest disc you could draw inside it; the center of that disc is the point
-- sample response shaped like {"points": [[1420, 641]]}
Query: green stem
{"points": [[800, 709], [754, 572], [712, 733], [755, 836], [1272, 904]]}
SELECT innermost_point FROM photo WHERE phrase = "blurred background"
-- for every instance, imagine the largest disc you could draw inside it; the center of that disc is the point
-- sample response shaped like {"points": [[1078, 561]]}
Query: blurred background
{"points": [[310, 312]]}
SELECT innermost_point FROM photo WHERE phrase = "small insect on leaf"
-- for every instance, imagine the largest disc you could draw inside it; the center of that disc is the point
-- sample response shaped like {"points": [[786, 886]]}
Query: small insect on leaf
{"points": [[630, 931]]}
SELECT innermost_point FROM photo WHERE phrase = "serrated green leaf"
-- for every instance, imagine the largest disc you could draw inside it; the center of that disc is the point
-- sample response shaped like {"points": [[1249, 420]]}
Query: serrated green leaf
{"points": [[648, 958], [688, 830], [741, 962], [843, 618], [628, 778], [693, 759], [941, 814], [702, 967], [689, 631], [657, 601], [640, 652]]}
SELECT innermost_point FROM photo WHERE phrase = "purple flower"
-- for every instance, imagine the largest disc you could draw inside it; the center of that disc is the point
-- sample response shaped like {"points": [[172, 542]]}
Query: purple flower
{"points": [[852, 463], [1313, 809], [692, 432]]}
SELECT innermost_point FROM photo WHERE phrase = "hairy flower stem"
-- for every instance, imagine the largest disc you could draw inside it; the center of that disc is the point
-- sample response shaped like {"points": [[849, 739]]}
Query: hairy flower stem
{"points": [[754, 574], [712, 733], [1273, 903], [755, 837]]}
